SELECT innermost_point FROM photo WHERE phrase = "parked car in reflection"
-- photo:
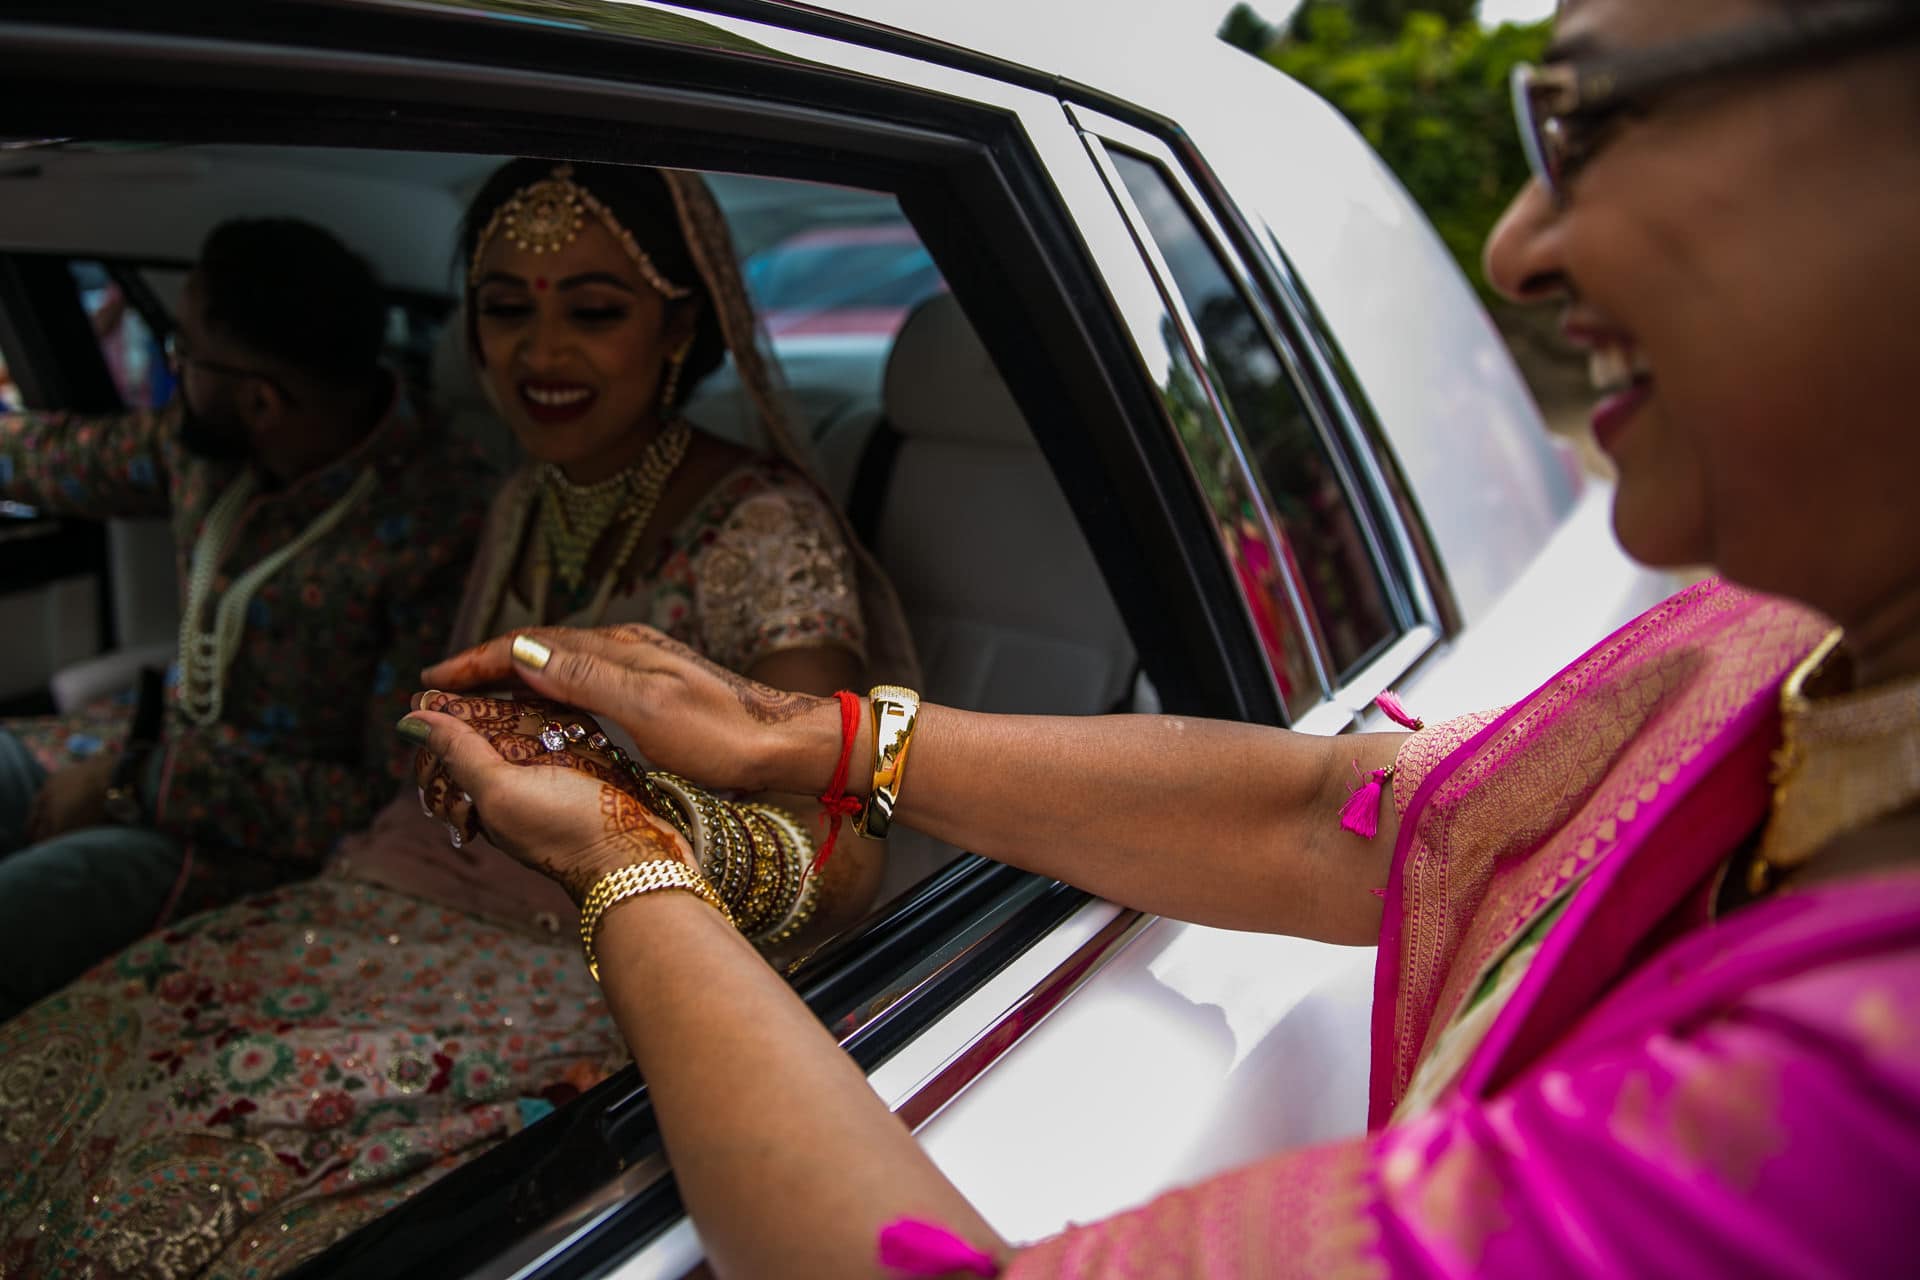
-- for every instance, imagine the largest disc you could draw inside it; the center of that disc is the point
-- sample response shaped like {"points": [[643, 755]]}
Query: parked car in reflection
{"points": [[1152, 391]]}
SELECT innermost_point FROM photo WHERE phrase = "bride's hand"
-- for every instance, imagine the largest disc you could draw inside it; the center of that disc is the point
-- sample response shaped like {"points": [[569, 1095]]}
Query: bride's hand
{"points": [[685, 713], [572, 813]]}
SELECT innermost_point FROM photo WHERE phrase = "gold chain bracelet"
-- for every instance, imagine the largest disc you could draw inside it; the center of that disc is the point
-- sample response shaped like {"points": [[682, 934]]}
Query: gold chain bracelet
{"points": [[632, 880]]}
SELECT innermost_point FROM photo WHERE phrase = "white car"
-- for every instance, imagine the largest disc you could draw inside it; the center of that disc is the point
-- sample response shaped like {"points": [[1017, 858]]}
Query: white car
{"points": [[1209, 422]]}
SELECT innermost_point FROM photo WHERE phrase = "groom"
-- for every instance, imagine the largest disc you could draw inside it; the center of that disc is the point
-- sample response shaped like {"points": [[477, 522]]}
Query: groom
{"points": [[323, 533]]}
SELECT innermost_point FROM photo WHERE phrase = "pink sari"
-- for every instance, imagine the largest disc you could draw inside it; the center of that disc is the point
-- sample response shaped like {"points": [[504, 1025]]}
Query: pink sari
{"points": [[1655, 1093]]}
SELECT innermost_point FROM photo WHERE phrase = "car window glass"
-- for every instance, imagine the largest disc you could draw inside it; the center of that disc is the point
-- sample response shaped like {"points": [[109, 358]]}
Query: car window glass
{"points": [[832, 273], [1314, 516], [1263, 577], [10, 401], [133, 351]]}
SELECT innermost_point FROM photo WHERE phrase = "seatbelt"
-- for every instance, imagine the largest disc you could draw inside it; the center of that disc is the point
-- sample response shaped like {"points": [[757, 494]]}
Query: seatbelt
{"points": [[871, 480]]}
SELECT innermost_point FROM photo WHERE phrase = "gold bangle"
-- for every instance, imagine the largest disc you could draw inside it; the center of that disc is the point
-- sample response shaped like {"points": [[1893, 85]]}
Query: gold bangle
{"points": [[637, 878], [799, 887], [712, 851], [896, 710]]}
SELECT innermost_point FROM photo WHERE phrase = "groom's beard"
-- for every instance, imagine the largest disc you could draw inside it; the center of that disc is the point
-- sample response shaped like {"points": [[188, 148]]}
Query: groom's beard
{"points": [[212, 438]]}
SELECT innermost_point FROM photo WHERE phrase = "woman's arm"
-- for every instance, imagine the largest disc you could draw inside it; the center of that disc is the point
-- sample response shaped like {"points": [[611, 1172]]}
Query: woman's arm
{"points": [[782, 1152], [851, 878], [1225, 824]]}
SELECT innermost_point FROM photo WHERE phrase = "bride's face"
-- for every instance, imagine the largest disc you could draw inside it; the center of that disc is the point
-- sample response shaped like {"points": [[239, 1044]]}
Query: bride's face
{"points": [[573, 348]]}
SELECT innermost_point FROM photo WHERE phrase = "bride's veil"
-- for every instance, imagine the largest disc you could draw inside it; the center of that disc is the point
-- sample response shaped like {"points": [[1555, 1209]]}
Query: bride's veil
{"points": [[890, 654]]}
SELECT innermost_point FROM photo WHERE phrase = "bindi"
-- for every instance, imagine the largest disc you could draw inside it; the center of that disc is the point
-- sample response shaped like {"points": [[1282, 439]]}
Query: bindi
{"points": [[540, 284]]}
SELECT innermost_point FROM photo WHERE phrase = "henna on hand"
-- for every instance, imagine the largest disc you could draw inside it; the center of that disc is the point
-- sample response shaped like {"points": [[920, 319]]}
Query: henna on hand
{"points": [[512, 728], [763, 702], [633, 834]]}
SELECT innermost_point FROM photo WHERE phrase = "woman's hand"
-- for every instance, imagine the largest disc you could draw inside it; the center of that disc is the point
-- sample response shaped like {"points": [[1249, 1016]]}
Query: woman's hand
{"points": [[685, 713], [572, 814]]}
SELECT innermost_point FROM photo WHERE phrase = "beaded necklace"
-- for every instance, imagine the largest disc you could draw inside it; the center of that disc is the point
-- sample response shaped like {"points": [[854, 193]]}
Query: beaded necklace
{"points": [[205, 655]]}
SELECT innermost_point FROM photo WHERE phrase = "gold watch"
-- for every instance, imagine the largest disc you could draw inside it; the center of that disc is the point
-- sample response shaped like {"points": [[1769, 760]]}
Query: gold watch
{"points": [[896, 710]]}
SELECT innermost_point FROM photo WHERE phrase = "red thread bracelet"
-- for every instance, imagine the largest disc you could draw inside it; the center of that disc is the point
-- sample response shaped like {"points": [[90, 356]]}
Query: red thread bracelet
{"points": [[835, 803]]}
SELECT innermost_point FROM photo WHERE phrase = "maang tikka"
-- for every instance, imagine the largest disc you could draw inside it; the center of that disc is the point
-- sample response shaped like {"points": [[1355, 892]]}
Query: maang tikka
{"points": [[546, 216]]}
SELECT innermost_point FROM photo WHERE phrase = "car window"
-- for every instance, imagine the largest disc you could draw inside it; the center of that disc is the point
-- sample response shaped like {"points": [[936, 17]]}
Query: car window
{"points": [[832, 273], [134, 353], [878, 266], [1346, 594]]}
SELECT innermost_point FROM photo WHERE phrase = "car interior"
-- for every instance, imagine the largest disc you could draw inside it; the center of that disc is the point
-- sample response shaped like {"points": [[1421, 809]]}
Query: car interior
{"points": [[916, 433]]}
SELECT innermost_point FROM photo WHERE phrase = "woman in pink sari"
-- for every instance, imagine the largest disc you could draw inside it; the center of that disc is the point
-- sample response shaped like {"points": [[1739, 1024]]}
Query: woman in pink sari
{"points": [[1648, 990]]}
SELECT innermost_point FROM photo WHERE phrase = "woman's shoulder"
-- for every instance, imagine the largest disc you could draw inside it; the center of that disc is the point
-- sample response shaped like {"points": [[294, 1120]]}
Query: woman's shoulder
{"points": [[756, 490]]}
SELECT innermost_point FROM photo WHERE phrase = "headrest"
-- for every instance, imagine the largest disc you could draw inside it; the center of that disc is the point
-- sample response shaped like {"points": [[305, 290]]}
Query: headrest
{"points": [[941, 385]]}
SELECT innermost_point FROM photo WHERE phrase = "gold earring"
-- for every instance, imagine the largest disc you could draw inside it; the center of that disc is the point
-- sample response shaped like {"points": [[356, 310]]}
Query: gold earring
{"points": [[675, 363]]}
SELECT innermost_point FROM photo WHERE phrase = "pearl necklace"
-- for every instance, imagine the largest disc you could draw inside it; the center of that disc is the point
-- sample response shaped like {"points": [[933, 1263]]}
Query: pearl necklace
{"points": [[205, 655]]}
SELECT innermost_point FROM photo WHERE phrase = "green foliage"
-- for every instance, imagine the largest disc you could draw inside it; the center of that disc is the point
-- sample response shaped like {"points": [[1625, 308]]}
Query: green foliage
{"points": [[1244, 29], [1389, 16], [1432, 100]]}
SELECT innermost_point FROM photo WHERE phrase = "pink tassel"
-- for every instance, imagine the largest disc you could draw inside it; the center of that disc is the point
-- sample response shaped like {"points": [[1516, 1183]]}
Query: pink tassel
{"points": [[1393, 709], [1361, 813], [910, 1247]]}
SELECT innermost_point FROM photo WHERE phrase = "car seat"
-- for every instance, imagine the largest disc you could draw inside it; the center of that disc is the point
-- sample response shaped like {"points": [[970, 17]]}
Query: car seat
{"points": [[1006, 602]]}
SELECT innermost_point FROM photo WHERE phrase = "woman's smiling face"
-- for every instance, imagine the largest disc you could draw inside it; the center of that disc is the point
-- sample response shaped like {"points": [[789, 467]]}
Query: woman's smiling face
{"points": [[573, 349], [1739, 258]]}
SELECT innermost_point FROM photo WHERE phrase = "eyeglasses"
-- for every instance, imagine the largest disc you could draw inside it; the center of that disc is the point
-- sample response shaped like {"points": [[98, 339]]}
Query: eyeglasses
{"points": [[1564, 109], [179, 358]]}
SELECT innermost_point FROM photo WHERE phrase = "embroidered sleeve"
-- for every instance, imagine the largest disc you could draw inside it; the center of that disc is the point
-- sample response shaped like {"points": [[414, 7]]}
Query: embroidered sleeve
{"points": [[1428, 747], [233, 787], [776, 575], [73, 464]]}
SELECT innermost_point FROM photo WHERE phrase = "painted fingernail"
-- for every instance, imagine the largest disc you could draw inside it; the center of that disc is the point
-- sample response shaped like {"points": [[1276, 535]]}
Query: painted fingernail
{"points": [[414, 731], [529, 652]]}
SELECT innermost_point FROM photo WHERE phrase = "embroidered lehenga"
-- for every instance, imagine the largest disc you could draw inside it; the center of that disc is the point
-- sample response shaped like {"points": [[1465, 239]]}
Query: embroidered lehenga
{"points": [[1577, 1069]]}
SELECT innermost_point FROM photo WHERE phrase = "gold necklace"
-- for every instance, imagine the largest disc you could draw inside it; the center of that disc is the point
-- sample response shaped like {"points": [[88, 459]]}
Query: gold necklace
{"points": [[1844, 760], [573, 518]]}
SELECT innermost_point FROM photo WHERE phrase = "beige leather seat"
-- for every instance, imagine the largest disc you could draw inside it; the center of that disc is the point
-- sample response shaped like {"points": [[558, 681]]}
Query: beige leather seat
{"points": [[1006, 603]]}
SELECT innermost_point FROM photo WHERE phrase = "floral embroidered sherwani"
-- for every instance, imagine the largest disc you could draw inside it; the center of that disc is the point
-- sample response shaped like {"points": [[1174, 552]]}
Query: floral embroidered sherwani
{"points": [[304, 749]]}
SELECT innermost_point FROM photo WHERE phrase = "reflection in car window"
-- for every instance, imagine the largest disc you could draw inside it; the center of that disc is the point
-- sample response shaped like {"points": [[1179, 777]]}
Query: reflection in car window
{"points": [[883, 266], [1316, 520], [1261, 576], [133, 352]]}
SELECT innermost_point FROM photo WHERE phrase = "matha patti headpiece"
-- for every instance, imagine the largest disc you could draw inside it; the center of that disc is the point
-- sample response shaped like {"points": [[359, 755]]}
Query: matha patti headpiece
{"points": [[546, 216]]}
